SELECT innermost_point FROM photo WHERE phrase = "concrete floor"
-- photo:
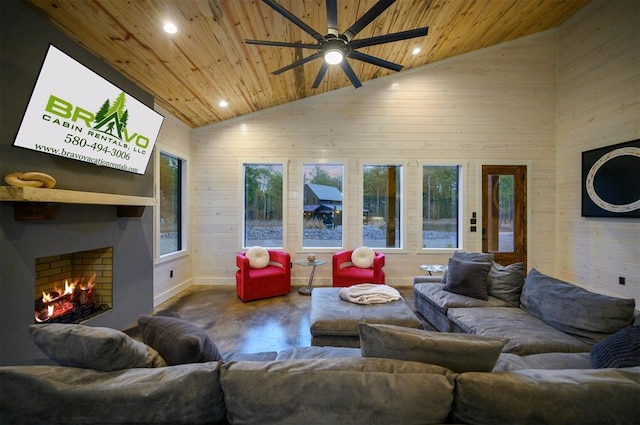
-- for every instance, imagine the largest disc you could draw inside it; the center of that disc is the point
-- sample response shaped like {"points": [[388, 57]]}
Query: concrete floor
{"points": [[271, 324]]}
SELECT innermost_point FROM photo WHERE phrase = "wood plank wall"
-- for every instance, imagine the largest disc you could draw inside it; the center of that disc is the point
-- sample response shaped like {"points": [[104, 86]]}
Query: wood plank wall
{"points": [[174, 139], [598, 105], [494, 106]]}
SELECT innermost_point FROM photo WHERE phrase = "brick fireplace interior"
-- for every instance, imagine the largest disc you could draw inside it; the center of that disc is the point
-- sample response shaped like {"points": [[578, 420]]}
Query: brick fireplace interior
{"points": [[74, 286]]}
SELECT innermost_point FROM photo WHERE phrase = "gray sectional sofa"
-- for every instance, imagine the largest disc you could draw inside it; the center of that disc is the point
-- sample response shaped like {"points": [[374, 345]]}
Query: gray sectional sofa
{"points": [[399, 376], [536, 314], [324, 385]]}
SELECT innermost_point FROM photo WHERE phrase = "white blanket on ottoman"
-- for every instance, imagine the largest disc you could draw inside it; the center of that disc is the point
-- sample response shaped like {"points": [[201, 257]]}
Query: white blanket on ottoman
{"points": [[369, 293]]}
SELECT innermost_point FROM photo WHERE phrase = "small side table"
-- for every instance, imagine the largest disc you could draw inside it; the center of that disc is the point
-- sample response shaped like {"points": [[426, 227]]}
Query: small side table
{"points": [[433, 268], [307, 290]]}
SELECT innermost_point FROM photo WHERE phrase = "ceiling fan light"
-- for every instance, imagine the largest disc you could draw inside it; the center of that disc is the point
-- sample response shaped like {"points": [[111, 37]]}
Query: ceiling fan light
{"points": [[333, 56]]}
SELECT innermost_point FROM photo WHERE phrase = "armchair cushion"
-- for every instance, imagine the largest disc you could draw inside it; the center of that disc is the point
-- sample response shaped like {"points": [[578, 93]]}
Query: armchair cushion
{"points": [[363, 257], [258, 257]]}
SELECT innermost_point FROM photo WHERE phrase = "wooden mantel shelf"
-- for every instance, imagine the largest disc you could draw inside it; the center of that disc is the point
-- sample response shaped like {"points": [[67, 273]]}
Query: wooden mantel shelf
{"points": [[43, 204]]}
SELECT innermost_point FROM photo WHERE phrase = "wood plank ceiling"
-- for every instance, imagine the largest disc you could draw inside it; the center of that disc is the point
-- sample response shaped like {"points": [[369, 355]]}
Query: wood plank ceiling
{"points": [[207, 60]]}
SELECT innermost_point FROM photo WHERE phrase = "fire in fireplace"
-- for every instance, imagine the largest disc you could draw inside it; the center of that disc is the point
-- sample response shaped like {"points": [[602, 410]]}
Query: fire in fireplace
{"points": [[73, 287]]}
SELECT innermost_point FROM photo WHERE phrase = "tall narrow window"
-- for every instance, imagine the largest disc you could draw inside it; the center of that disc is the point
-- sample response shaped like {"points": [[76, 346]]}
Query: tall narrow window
{"points": [[322, 206], [381, 207], [263, 205], [440, 222], [171, 192]]}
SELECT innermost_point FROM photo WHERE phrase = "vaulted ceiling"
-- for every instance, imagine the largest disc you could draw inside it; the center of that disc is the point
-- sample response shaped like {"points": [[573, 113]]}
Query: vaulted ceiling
{"points": [[208, 61]]}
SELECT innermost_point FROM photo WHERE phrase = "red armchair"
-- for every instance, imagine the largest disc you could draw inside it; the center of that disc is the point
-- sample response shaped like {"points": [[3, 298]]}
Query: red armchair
{"points": [[346, 274], [270, 281]]}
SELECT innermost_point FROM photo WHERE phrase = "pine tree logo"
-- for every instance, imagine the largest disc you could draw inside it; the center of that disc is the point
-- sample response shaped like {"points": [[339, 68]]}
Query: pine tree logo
{"points": [[112, 119]]}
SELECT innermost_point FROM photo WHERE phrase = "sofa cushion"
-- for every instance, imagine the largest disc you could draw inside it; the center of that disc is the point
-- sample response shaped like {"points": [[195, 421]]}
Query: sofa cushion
{"points": [[525, 333], [184, 394], [258, 257], [621, 349], [336, 391], [177, 341], [477, 257], [505, 282], [597, 396], [467, 278], [363, 257], [458, 352], [575, 310], [432, 301], [317, 353], [98, 348], [444, 300], [508, 362]]}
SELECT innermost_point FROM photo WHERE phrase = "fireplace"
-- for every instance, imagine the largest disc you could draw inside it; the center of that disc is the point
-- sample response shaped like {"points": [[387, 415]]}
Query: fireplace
{"points": [[32, 250], [73, 287]]}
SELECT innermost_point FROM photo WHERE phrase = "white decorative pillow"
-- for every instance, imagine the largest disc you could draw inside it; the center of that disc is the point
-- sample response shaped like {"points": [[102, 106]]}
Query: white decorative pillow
{"points": [[363, 257], [258, 257]]}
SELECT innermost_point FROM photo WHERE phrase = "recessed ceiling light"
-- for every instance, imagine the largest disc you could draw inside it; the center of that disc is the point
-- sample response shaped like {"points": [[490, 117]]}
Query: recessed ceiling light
{"points": [[416, 50], [223, 103], [170, 28]]}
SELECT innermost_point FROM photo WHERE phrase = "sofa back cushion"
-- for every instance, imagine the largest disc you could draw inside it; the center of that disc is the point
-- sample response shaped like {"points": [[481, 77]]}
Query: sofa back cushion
{"points": [[458, 352], [336, 391], [569, 396], [575, 310], [184, 394], [90, 347], [505, 282], [468, 278]]}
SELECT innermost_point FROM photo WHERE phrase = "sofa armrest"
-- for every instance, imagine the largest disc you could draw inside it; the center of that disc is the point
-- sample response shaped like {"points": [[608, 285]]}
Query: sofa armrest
{"points": [[427, 279]]}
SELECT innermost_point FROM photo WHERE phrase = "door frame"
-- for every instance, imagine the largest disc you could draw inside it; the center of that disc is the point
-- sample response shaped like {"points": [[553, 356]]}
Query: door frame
{"points": [[528, 164]]}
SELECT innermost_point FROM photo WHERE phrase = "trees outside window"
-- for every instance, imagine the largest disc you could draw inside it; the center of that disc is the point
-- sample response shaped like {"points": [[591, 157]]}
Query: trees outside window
{"points": [[381, 207], [440, 221], [171, 204], [263, 205], [322, 205]]}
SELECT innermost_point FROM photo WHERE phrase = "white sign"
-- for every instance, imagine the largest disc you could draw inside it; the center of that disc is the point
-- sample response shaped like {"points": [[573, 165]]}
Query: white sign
{"points": [[75, 113]]}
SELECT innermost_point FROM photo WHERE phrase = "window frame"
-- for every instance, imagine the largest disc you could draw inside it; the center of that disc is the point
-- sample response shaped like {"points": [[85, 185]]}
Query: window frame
{"points": [[184, 207], [345, 203], [462, 173], [403, 199], [285, 212]]}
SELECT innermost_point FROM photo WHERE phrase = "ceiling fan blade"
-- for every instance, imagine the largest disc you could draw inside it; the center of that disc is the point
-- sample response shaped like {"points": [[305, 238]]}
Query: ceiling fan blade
{"points": [[300, 62], [332, 17], [282, 44], [389, 38], [318, 80], [374, 60], [352, 75], [293, 18], [366, 19]]}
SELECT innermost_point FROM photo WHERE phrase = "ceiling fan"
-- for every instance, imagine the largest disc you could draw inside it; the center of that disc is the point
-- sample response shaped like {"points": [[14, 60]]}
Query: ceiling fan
{"points": [[334, 47]]}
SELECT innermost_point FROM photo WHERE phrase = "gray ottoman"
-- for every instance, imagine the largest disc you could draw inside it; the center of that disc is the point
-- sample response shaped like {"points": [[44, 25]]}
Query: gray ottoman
{"points": [[334, 322]]}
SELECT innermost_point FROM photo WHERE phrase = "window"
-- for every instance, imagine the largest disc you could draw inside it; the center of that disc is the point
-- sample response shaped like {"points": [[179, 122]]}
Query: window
{"points": [[381, 206], [171, 227], [322, 206], [440, 222], [263, 205]]}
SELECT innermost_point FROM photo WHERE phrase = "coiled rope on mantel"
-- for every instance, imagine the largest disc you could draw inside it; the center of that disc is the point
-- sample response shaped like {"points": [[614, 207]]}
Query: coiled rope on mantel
{"points": [[30, 179]]}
